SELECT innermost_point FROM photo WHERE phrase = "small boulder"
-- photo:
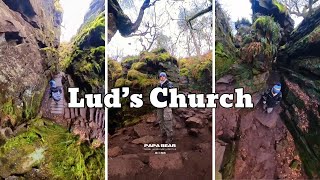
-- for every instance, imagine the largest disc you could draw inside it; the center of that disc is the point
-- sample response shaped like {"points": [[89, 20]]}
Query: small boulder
{"points": [[227, 79], [194, 132], [140, 130], [151, 119], [194, 122], [144, 140], [114, 152]]}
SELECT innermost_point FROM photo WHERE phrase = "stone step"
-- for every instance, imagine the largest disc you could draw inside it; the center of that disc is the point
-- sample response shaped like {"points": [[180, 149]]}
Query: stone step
{"points": [[67, 113], [57, 112], [83, 113], [91, 114], [57, 106]]}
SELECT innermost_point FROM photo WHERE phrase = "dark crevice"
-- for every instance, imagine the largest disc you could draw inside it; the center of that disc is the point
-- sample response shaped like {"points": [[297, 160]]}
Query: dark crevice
{"points": [[23, 7], [13, 37], [41, 44]]}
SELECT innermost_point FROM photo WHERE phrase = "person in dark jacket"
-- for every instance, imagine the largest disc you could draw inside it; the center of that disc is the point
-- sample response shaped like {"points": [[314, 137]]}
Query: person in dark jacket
{"points": [[55, 92], [272, 98], [164, 115]]}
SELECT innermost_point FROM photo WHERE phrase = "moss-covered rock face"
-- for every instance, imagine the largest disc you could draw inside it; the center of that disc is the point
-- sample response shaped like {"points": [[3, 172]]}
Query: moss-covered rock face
{"points": [[196, 73], [225, 51], [87, 69], [299, 64], [86, 62], [257, 53], [275, 9], [54, 152], [29, 33], [140, 73]]}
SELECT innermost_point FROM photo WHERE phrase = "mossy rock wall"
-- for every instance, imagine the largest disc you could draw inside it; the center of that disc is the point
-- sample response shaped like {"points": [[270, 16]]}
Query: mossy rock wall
{"points": [[277, 10], [30, 33], [196, 74], [55, 152], [140, 74], [86, 62], [299, 61], [225, 51], [257, 54]]}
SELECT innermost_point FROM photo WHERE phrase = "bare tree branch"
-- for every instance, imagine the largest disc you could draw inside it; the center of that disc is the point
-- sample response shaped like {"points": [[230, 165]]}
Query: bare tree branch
{"points": [[209, 9], [123, 22]]}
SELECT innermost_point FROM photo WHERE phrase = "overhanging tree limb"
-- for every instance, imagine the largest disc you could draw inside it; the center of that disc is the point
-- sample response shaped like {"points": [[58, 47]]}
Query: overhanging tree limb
{"points": [[208, 9], [123, 22]]}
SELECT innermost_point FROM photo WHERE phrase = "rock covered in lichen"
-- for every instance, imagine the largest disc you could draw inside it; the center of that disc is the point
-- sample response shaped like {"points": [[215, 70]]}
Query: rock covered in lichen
{"points": [[196, 73], [50, 152], [86, 62], [278, 11], [140, 74], [225, 51], [26, 29]]}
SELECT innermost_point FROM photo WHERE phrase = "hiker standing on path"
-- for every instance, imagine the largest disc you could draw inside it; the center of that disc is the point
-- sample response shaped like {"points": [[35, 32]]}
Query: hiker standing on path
{"points": [[164, 115], [55, 92], [271, 98]]}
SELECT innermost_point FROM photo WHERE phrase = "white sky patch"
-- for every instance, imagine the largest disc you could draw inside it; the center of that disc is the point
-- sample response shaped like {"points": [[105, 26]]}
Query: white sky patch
{"points": [[238, 9], [73, 16]]}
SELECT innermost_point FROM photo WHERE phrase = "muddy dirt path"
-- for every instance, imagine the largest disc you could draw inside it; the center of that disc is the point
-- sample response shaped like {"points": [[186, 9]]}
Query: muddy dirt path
{"points": [[192, 158], [253, 144]]}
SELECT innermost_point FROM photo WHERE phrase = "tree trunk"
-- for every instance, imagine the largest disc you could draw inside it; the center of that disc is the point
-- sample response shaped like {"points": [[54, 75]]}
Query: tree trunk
{"points": [[196, 46]]}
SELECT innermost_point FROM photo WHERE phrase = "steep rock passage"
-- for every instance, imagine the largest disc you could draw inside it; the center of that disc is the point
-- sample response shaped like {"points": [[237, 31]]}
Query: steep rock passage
{"points": [[89, 123], [254, 145], [58, 108], [191, 160]]}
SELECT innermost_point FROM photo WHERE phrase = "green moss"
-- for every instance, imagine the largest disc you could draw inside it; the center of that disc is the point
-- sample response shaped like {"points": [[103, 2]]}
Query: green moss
{"points": [[94, 28], [57, 6], [282, 8], [115, 68], [155, 58], [268, 29], [87, 68], [138, 65], [122, 82], [30, 107], [223, 61], [159, 50], [131, 59], [63, 156], [8, 108], [184, 72], [140, 79], [134, 74]]}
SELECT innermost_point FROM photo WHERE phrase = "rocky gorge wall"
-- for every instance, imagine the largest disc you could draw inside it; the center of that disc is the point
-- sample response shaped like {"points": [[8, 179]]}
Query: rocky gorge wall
{"points": [[39, 147], [29, 31], [85, 61], [298, 62], [270, 45]]}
